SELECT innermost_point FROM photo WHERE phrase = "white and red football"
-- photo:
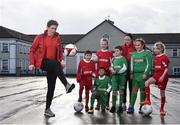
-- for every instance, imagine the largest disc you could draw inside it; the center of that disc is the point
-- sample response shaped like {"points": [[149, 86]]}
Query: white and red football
{"points": [[70, 50]]}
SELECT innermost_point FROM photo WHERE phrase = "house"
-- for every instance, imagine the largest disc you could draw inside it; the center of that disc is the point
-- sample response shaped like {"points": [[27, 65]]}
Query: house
{"points": [[14, 47]]}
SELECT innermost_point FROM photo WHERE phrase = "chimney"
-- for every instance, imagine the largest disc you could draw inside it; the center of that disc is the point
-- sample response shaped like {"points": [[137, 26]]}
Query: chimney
{"points": [[110, 21]]}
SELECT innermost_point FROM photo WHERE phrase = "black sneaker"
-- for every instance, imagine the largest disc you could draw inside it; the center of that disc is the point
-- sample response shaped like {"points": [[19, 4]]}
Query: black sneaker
{"points": [[124, 106], [86, 108], [120, 110], [113, 109], [103, 109], [107, 107], [49, 113], [69, 87], [79, 99], [140, 110], [97, 107]]}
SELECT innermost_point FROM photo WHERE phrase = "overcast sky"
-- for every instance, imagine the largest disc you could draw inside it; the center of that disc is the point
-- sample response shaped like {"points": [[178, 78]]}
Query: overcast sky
{"points": [[80, 16]]}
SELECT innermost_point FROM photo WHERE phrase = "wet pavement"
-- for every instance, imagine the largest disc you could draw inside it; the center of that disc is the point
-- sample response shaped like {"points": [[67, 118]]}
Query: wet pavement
{"points": [[22, 101]]}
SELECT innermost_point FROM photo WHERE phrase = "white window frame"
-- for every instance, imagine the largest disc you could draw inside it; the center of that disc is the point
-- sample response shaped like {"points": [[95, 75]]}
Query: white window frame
{"points": [[176, 67]]}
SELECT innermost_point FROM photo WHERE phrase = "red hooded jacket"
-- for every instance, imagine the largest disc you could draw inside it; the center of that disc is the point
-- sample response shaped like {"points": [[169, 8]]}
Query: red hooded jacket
{"points": [[37, 50]]}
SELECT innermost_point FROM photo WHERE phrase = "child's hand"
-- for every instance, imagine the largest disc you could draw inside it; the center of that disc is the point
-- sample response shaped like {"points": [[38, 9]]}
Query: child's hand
{"points": [[144, 77], [161, 79], [94, 93], [105, 93], [112, 70]]}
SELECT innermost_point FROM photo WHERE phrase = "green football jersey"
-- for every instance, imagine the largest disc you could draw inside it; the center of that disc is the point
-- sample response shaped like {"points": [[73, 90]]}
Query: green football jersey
{"points": [[102, 83], [118, 63], [141, 62]]}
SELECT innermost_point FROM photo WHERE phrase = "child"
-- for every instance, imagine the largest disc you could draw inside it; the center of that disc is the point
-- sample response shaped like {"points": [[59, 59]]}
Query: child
{"points": [[140, 70], [100, 90], [160, 75], [104, 60], [86, 70], [118, 70]]}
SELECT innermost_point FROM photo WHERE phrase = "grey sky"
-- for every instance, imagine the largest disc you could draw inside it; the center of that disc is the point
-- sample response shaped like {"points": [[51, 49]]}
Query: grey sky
{"points": [[80, 16]]}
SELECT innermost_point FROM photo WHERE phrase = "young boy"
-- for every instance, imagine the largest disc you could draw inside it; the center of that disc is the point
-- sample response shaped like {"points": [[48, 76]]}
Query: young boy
{"points": [[86, 70], [160, 75], [100, 90], [118, 70]]}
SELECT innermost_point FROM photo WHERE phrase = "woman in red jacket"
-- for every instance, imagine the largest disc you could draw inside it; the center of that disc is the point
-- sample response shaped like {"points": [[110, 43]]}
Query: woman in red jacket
{"points": [[128, 48], [46, 54]]}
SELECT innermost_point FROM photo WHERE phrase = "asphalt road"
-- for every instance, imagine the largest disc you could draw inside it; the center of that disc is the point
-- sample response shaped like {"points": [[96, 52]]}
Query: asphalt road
{"points": [[22, 101]]}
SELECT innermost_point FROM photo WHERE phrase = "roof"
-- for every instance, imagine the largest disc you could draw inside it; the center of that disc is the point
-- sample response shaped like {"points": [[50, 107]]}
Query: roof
{"points": [[166, 38], [71, 38], [66, 38], [8, 33], [108, 21], [150, 38]]}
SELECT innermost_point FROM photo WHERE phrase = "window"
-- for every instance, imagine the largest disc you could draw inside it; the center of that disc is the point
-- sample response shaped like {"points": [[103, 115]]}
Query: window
{"points": [[5, 65], [5, 47], [175, 53], [176, 71]]}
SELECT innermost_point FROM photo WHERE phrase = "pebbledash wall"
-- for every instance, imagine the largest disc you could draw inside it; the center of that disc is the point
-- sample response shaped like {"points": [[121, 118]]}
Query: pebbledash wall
{"points": [[14, 47]]}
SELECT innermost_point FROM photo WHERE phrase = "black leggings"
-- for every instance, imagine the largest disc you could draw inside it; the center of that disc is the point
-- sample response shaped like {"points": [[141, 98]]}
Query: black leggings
{"points": [[129, 83], [54, 70]]}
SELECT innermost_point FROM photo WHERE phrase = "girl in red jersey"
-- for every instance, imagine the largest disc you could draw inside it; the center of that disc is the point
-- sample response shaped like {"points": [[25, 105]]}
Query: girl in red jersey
{"points": [[86, 70], [160, 75], [104, 60]]}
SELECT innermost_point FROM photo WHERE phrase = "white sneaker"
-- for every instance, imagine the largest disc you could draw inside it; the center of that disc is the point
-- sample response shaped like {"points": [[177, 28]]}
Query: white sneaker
{"points": [[49, 113]]}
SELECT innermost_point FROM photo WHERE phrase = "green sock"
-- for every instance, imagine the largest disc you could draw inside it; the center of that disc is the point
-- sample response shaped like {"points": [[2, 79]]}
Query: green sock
{"points": [[92, 101], [133, 99], [142, 96], [114, 97], [121, 96]]}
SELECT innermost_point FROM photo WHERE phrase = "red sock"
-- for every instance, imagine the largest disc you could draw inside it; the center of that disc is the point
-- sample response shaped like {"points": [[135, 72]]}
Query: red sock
{"points": [[147, 90], [80, 92], [163, 100]]}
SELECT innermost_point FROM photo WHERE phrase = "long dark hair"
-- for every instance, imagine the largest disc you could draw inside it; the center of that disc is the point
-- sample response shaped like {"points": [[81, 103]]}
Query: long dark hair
{"points": [[130, 36]]}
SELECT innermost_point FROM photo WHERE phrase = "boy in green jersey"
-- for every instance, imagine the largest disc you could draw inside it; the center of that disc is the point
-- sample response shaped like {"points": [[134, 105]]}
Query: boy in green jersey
{"points": [[118, 71], [100, 90]]}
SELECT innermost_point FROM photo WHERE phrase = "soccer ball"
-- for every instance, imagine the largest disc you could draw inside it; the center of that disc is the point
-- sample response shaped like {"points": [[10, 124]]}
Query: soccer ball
{"points": [[78, 106], [147, 109], [94, 58], [70, 50]]}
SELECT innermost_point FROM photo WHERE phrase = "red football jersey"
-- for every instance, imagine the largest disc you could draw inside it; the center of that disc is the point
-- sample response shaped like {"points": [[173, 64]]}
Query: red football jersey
{"points": [[85, 70], [160, 63], [104, 59]]}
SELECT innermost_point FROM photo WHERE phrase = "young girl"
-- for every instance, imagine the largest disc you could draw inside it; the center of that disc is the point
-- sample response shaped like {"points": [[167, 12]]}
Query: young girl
{"points": [[128, 49], [160, 75], [140, 70], [86, 70], [104, 60]]}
